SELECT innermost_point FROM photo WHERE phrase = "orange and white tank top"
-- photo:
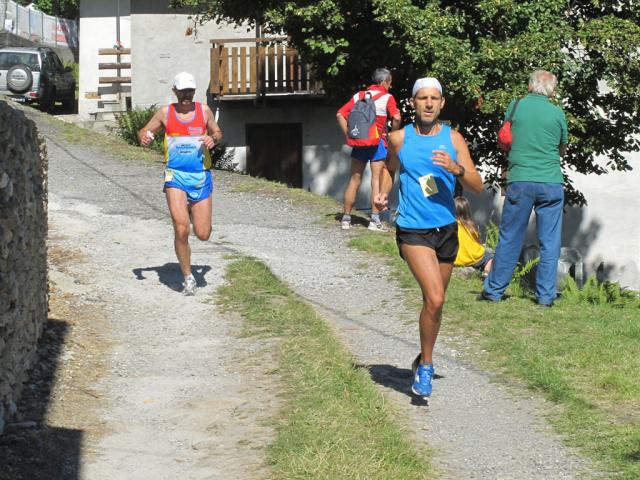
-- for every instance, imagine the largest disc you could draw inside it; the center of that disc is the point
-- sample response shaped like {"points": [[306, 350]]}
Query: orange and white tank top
{"points": [[183, 147]]}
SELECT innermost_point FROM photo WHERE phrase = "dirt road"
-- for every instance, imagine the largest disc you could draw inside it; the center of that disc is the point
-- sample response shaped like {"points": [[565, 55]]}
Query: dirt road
{"points": [[172, 393]]}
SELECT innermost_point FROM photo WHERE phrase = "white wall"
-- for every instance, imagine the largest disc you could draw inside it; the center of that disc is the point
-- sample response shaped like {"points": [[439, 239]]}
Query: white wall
{"points": [[161, 49], [606, 232], [98, 30]]}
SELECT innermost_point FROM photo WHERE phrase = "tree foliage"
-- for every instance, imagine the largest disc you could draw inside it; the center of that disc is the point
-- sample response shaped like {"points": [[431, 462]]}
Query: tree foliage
{"points": [[483, 52]]}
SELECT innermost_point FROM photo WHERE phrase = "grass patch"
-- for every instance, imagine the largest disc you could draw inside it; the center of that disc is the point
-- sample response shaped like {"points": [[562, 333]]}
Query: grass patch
{"points": [[581, 356], [108, 143], [334, 424]]}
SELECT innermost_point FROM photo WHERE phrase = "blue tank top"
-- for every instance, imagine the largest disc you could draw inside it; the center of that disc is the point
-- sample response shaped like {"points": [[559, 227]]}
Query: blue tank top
{"points": [[415, 210]]}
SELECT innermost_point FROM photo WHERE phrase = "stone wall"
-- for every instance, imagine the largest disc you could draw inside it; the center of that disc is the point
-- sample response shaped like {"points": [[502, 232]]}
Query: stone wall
{"points": [[23, 253]]}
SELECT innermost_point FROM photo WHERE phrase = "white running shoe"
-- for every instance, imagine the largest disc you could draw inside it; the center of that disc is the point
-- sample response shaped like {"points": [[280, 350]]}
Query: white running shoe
{"points": [[377, 227], [189, 286], [345, 225]]}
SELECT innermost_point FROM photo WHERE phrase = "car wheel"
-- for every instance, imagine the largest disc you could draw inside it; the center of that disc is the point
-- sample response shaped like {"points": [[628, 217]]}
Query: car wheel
{"points": [[19, 78], [48, 101], [69, 103]]}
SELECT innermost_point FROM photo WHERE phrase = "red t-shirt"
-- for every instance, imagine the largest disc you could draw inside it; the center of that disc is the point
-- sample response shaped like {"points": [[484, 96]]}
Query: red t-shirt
{"points": [[386, 107]]}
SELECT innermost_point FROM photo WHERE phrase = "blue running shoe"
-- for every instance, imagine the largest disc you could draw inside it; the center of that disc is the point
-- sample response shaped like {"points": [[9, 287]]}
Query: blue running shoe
{"points": [[422, 380]]}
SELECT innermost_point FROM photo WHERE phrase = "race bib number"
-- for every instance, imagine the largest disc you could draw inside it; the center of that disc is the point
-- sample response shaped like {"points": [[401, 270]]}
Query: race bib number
{"points": [[168, 175], [428, 185]]}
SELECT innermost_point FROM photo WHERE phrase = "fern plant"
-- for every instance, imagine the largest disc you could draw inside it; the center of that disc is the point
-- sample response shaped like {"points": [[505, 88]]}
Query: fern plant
{"points": [[519, 285], [128, 123], [599, 293], [223, 157], [491, 235]]}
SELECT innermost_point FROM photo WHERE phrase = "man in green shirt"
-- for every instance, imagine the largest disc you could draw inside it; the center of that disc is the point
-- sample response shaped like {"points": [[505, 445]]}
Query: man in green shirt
{"points": [[534, 182]]}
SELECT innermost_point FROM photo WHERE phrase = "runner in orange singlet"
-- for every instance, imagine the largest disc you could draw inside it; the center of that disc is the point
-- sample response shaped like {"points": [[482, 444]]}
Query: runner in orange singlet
{"points": [[190, 131]]}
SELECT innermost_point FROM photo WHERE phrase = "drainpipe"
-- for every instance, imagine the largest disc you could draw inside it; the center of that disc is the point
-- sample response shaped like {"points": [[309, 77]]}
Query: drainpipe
{"points": [[118, 58], [258, 65], [118, 22], [3, 13]]}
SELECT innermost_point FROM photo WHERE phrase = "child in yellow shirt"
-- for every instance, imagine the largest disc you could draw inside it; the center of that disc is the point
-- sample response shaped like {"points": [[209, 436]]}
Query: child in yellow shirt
{"points": [[471, 252]]}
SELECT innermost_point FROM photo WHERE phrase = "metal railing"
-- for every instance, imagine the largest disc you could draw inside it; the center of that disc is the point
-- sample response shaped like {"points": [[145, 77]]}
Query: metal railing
{"points": [[37, 26]]}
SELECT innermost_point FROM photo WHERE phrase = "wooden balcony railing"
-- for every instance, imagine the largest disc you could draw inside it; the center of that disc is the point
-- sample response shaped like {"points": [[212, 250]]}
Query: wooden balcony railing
{"points": [[259, 66]]}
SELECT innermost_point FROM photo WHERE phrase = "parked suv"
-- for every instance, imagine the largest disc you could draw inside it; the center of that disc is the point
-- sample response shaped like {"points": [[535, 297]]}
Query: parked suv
{"points": [[36, 75]]}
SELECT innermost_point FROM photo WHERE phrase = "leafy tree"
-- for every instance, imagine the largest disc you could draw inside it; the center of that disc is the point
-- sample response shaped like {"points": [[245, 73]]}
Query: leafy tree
{"points": [[483, 52], [58, 8]]}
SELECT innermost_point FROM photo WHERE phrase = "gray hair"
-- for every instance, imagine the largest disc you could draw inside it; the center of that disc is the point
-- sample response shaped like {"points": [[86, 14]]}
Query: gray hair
{"points": [[543, 82], [380, 75]]}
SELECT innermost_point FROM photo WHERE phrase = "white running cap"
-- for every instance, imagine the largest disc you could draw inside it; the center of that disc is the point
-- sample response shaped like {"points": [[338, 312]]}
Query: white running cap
{"points": [[183, 81], [426, 82]]}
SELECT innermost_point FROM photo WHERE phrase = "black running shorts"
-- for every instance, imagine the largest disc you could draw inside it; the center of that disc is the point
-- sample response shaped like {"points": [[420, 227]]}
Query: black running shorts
{"points": [[443, 240]]}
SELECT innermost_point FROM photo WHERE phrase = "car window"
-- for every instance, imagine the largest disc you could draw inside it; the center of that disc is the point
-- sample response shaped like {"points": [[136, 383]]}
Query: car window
{"points": [[49, 64], [9, 59], [57, 62]]}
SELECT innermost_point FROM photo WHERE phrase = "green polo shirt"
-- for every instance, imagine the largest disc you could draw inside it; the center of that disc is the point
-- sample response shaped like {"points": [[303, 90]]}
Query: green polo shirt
{"points": [[539, 128]]}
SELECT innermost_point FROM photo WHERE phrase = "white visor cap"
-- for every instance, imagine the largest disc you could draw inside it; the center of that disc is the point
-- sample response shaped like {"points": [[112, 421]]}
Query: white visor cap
{"points": [[183, 81], [426, 82]]}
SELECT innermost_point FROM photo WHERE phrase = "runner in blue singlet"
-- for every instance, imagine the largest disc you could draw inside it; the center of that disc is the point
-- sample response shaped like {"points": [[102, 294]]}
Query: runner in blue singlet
{"points": [[430, 156]]}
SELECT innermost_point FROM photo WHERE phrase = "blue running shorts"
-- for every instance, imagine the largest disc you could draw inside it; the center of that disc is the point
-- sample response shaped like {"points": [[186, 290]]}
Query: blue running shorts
{"points": [[370, 154], [197, 185]]}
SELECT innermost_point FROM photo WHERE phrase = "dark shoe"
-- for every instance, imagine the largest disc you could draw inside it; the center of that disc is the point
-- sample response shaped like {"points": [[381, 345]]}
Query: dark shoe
{"points": [[548, 305], [484, 298]]}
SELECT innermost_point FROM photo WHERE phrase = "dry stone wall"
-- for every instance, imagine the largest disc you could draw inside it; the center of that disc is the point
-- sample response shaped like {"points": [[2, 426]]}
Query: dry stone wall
{"points": [[23, 254]]}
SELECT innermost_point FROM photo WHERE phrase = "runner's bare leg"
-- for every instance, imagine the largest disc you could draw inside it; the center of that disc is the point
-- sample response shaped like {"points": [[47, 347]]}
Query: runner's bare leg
{"points": [[433, 278], [179, 210], [201, 218], [376, 168], [357, 169]]}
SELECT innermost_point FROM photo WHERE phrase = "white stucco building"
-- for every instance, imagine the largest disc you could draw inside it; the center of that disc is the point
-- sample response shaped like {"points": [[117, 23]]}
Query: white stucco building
{"points": [[289, 133]]}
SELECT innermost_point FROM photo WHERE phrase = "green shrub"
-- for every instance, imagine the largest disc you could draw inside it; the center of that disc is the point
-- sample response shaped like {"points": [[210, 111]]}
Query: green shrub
{"points": [[521, 280], [599, 293], [128, 124], [491, 235], [222, 157], [75, 70]]}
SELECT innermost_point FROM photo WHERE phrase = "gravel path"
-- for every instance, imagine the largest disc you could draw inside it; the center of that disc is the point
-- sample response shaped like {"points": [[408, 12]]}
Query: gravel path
{"points": [[173, 402]]}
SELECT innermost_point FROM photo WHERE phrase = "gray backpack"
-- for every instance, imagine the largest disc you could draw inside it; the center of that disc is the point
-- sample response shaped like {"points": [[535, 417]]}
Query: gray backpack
{"points": [[361, 124]]}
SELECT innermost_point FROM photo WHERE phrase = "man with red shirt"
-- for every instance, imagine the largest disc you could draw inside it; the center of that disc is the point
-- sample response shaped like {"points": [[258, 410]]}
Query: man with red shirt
{"points": [[386, 108]]}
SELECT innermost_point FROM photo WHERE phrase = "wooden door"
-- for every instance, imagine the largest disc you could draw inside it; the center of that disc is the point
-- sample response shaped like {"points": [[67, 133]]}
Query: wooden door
{"points": [[274, 152]]}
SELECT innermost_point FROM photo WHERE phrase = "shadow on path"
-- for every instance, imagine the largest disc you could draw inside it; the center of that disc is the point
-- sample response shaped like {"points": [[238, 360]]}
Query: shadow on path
{"points": [[30, 449], [399, 379], [170, 275], [355, 219]]}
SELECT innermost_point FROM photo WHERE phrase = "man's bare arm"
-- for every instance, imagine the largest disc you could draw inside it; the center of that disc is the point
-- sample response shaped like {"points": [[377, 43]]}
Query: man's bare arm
{"points": [[471, 178], [152, 126], [212, 126], [342, 122], [387, 173], [396, 120]]}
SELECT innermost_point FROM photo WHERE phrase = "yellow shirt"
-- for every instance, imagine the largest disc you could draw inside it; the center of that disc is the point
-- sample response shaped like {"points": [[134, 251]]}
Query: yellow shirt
{"points": [[470, 251]]}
